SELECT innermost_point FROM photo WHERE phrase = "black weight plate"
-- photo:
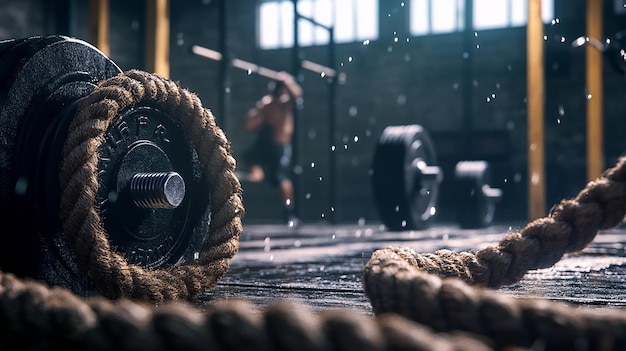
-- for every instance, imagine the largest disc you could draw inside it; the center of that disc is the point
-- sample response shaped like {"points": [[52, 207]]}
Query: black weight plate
{"points": [[404, 198], [143, 139], [42, 77], [472, 180]]}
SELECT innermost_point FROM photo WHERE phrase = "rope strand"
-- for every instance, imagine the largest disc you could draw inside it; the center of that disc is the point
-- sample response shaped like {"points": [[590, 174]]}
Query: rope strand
{"points": [[433, 288]]}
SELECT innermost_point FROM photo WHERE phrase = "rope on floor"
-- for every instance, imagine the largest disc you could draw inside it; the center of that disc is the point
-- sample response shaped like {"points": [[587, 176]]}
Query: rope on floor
{"points": [[434, 288]]}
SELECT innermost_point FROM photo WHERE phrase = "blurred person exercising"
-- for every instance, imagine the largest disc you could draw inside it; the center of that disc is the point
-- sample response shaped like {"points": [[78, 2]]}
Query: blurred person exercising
{"points": [[269, 157]]}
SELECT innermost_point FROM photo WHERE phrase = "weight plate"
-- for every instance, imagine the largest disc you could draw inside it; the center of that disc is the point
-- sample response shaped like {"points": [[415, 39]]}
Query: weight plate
{"points": [[406, 178], [476, 199], [41, 79], [144, 140]]}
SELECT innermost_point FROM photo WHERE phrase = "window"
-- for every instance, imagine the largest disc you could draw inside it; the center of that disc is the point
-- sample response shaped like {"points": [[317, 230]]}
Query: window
{"points": [[353, 20], [445, 16]]}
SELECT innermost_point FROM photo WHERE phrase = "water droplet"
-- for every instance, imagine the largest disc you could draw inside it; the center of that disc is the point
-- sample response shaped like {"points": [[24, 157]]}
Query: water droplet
{"points": [[395, 40], [308, 196], [589, 96], [561, 110], [398, 208], [477, 46], [349, 58], [323, 215], [493, 95], [558, 121], [356, 138], [403, 224], [401, 100], [321, 178], [345, 146], [332, 148], [312, 164], [332, 209], [288, 202], [535, 178], [365, 42], [353, 111], [402, 4], [488, 99], [297, 169], [545, 37], [21, 186], [562, 39]]}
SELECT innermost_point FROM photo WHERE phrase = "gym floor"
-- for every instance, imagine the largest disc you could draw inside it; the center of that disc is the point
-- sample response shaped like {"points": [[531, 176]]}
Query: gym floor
{"points": [[321, 265]]}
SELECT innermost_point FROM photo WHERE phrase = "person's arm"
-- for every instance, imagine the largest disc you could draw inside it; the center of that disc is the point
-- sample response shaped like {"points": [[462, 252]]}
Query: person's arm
{"points": [[255, 117]]}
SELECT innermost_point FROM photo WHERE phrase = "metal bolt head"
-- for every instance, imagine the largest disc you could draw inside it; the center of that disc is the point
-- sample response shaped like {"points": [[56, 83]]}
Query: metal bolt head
{"points": [[157, 190]]}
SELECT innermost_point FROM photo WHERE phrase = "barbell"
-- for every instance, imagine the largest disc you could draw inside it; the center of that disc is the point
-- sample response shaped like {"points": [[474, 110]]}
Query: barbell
{"points": [[152, 195], [406, 178]]}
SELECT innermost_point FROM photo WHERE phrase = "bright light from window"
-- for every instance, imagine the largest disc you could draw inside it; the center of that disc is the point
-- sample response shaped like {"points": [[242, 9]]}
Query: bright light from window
{"points": [[419, 17], [353, 20], [444, 16], [491, 14]]}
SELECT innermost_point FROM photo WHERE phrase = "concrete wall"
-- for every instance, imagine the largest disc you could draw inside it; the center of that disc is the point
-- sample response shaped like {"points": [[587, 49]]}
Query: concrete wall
{"points": [[413, 80]]}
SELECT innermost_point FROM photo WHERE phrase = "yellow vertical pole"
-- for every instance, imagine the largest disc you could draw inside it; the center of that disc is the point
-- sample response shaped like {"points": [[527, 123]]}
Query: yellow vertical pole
{"points": [[535, 94], [593, 72], [158, 37], [99, 25]]}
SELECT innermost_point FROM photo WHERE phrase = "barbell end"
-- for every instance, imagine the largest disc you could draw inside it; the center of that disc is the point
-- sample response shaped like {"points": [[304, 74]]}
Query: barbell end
{"points": [[157, 190], [491, 194]]}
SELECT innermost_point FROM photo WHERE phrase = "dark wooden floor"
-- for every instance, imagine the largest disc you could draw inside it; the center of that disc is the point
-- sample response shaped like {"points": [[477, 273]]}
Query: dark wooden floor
{"points": [[321, 265]]}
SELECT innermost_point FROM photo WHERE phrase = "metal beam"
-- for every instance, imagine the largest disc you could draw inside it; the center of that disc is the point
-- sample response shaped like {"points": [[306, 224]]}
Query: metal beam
{"points": [[99, 25], [535, 96], [158, 37], [593, 72]]}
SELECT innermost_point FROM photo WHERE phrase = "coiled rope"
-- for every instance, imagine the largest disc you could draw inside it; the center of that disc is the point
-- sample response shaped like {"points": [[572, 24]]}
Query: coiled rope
{"points": [[82, 224], [433, 288], [398, 281]]}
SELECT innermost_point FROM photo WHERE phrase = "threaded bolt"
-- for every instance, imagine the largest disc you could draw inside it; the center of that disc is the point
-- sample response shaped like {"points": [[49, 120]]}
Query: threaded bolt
{"points": [[157, 190]]}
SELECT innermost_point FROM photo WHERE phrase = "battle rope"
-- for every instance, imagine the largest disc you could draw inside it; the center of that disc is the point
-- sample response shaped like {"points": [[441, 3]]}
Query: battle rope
{"points": [[81, 221], [33, 316], [399, 280]]}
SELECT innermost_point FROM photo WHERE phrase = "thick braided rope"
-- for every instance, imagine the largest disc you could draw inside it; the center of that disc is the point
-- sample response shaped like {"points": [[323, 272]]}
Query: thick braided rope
{"points": [[82, 224], [33, 317], [399, 280]]}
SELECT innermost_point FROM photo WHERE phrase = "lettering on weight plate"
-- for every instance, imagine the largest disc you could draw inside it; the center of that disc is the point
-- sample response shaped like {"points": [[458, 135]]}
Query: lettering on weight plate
{"points": [[160, 133], [142, 124], [140, 255]]}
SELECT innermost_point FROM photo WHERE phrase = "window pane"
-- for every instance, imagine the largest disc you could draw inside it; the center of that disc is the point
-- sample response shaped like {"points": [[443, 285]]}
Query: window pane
{"points": [[519, 12], [323, 15], [268, 25], [419, 17], [286, 23], [490, 14], [443, 16], [547, 11], [344, 21], [367, 19]]}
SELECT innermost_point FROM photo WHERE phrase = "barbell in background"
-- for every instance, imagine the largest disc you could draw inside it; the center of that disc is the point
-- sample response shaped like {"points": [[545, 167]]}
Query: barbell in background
{"points": [[406, 178], [152, 194]]}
